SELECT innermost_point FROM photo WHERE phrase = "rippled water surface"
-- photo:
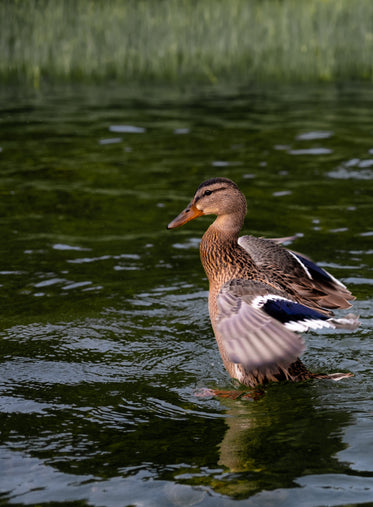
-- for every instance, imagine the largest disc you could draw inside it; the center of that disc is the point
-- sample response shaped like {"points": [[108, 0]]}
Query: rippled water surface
{"points": [[105, 336]]}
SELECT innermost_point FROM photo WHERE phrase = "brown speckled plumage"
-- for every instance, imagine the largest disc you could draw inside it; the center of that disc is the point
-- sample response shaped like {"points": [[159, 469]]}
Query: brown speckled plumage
{"points": [[245, 272]]}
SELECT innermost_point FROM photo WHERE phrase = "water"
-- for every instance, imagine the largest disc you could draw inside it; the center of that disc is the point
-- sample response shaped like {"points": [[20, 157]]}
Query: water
{"points": [[105, 335]]}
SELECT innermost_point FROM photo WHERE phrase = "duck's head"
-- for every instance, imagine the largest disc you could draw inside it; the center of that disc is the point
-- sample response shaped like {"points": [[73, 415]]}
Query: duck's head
{"points": [[217, 196]]}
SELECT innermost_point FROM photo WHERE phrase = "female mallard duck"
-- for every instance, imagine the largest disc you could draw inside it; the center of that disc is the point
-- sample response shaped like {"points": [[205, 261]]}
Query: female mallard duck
{"points": [[260, 292]]}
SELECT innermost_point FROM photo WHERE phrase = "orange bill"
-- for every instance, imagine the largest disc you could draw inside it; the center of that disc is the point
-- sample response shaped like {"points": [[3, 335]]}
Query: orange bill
{"points": [[189, 213]]}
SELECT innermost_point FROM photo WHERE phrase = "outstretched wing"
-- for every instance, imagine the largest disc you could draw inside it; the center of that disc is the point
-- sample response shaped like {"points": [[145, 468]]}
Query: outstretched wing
{"points": [[257, 324], [251, 336]]}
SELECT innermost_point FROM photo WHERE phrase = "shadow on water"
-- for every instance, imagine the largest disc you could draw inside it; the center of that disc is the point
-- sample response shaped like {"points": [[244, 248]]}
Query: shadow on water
{"points": [[105, 335]]}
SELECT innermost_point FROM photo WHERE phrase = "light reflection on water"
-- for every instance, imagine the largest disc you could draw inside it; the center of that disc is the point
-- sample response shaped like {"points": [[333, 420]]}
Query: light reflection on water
{"points": [[105, 334]]}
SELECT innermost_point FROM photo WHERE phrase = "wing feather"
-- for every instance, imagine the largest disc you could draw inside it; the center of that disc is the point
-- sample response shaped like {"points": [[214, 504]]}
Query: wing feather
{"points": [[251, 337], [258, 323], [317, 287]]}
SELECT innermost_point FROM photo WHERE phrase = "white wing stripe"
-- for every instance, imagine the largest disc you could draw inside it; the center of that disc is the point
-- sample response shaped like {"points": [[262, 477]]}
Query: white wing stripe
{"points": [[259, 301], [301, 263]]}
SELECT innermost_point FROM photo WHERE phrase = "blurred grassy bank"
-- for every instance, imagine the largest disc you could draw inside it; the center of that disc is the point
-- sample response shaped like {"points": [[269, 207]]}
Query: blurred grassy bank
{"points": [[186, 40]]}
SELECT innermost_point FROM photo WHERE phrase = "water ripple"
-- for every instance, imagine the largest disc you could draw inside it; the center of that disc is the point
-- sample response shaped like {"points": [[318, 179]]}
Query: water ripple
{"points": [[317, 134], [127, 129], [311, 151]]}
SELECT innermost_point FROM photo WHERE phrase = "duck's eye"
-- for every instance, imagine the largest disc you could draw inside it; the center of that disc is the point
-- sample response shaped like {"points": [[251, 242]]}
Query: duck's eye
{"points": [[207, 192]]}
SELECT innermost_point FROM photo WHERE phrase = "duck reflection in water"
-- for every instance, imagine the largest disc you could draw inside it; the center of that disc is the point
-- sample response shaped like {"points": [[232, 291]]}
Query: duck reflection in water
{"points": [[260, 294], [271, 443]]}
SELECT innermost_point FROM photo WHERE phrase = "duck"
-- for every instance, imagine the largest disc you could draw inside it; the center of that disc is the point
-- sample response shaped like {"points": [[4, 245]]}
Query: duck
{"points": [[262, 296]]}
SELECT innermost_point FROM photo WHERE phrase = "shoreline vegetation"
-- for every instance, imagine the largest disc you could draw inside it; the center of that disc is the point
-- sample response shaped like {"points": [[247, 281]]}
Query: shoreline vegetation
{"points": [[186, 41]]}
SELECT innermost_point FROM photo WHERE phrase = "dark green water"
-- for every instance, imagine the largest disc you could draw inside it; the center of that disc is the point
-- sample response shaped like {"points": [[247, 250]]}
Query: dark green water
{"points": [[104, 333]]}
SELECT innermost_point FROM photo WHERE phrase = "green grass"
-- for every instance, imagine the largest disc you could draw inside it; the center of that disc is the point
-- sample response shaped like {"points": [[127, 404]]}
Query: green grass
{"points": [[186, 41]]}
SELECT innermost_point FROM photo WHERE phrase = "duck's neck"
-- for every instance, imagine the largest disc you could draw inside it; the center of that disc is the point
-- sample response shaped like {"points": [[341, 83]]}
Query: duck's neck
{"points": [[228, 226], [222, 257]]}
